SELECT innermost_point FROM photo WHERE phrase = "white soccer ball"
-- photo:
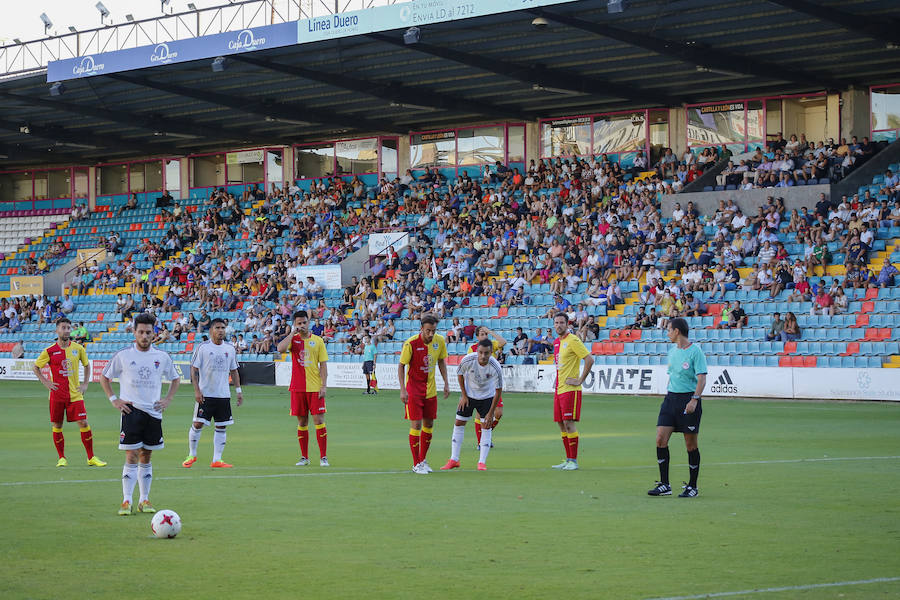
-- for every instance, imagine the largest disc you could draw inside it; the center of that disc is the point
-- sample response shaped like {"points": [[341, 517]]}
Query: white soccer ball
{"points": [[165, 524]]}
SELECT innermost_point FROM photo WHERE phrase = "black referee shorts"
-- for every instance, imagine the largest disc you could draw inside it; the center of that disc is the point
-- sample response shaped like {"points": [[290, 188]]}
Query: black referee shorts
{"points": [[214, 409], [671, 413], [482, 406], [369, 367]]}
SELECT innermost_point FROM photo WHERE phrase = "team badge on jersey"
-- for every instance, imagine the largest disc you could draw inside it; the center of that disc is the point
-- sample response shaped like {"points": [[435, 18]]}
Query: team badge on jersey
{"points": [[685, 365], [156, 363], [434, 345]]}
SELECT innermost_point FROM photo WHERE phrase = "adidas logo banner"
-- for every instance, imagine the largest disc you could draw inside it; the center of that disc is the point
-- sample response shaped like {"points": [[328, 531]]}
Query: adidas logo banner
{"points": [[723, 384]]}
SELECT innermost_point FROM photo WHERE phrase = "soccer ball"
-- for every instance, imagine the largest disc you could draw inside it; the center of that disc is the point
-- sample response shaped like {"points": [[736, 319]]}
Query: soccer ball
{"points": [[165, 524]]}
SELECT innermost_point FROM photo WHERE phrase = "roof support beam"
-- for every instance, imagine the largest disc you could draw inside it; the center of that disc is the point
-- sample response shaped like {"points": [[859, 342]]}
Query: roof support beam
{"points": [[391, 91], [880, 28], [150, 122], [290, 112], [699, 55], [561, 79], [76, 139]]}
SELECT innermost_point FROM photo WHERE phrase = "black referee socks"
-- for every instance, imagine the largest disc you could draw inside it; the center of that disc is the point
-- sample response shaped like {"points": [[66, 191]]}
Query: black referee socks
{"points": [[662, 457], [694, 464]]}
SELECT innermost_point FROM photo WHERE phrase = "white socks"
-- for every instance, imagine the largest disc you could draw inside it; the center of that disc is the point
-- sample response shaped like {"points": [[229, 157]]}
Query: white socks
{"points": [[129, 478], [194, 439], [218, 444], [145, 478], [486, 435], [456, 442]]}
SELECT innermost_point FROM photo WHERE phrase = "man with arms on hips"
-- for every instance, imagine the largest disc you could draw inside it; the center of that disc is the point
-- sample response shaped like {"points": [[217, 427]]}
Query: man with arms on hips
{"points": [[480, 384], [497, 344], [66, 390], [681, 409], [418, 391], [568, 352], [212, 364], [140, 369], [309, 380]]}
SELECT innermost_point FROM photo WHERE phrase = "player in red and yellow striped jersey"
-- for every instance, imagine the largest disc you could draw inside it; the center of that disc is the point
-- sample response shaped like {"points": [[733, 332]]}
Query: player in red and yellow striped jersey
{"points": [[309, 380], [483, 333], [568, 352], [418, 391], [66, 390]]}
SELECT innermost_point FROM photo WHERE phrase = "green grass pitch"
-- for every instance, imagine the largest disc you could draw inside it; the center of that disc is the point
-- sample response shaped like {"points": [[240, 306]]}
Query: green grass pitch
{"points": [[792, 494]]}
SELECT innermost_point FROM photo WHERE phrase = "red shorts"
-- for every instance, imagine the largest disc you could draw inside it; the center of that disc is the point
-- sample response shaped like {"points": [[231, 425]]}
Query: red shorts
{"points": [[567, 406], [421, 408], [307, 403], [74, 411]]}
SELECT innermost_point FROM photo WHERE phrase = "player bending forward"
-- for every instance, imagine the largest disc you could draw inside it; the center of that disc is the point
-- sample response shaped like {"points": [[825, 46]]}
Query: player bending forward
{"points": [[66, 390], [418, 391], [213, 362], [681, 409], [480, 384], [140, 369], [497, 344]]}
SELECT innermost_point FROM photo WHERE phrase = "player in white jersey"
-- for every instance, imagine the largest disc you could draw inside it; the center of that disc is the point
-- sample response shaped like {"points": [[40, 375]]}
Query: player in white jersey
{"points": [[140, 369], [481, 383], [211, 365]]}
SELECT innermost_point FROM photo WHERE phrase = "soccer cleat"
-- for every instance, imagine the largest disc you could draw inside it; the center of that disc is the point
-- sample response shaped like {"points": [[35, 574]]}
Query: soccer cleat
{"points": [[661, 489], [418, 470], [482, 467], [571, 465], [689, 492], [62, 462], [144, 506], [323, 462], [95, 462], [560, 465], [218, 464], [125, 509], [426, 467], [302, 462], [189, 462], [451, 464]]}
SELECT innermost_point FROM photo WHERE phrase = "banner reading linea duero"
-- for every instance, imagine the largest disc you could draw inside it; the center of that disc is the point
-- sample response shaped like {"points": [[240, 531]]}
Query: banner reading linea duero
{"points": [[176, 51]]}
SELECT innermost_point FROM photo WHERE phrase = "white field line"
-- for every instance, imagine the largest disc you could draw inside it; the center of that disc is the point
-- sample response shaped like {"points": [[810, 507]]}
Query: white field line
{"points": [[396, 472], [789, 588]]}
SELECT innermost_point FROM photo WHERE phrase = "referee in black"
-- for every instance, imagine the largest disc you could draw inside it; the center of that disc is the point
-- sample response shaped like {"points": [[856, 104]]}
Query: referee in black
{"points": [[681, 410]]}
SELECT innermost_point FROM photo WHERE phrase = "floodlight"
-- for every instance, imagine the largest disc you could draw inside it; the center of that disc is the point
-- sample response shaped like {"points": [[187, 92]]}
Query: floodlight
{"points": [[57, 89], [46, 21], [129, 17], [412, 36], [218, 65], [72, 29], [191, 6], [104, 12]]}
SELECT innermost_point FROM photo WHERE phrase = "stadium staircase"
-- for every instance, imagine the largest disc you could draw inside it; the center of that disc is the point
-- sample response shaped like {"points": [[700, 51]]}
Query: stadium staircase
{"points": [[27, 237]]}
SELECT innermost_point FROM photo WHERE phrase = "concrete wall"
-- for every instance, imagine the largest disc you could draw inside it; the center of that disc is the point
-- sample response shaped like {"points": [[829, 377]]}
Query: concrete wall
{"points": [[678, 130], [748, 200], [855, 114]]}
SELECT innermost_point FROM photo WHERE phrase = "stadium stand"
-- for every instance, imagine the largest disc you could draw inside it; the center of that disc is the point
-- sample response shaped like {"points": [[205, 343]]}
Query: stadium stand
{"points": [[509, 250]]}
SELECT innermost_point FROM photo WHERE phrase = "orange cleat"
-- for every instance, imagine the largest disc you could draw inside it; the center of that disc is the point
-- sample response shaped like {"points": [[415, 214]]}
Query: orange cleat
{"points": [[451, 464], [482, 467], [218, 464], [189, 462]]}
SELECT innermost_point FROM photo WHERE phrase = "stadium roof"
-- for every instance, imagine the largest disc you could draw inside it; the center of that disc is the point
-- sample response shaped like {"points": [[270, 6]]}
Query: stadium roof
{"points": [[656, 53]]}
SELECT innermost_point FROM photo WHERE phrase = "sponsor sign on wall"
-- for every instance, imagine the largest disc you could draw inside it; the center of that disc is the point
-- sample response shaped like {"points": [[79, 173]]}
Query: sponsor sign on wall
{"points": [[847, 384], [380, 242], [244, 156], [176, 51], [328, 276], [26, 285]]}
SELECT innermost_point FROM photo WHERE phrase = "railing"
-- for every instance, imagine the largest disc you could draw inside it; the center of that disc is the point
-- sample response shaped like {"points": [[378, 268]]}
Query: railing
{"points": [[30, 57]]}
